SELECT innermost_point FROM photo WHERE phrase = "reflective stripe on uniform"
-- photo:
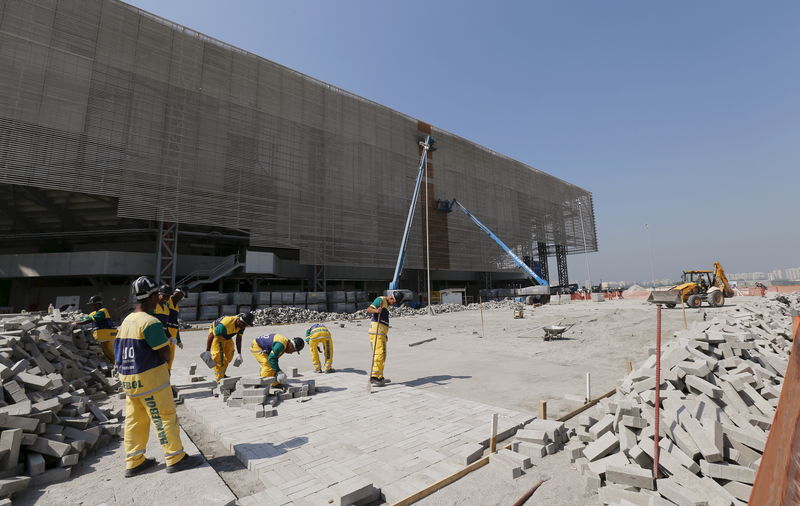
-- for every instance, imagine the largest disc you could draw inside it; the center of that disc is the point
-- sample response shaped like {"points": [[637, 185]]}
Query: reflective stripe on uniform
{"points": [[172, 454], [129, 455], [150, 391]]}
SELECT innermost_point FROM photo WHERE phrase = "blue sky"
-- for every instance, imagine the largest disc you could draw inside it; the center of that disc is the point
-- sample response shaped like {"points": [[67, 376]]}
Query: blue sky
{"points": [[684, 115]]}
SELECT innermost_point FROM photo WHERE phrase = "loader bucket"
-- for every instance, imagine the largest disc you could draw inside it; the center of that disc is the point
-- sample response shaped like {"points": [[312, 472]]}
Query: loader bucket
{"points": [[665, 297]]}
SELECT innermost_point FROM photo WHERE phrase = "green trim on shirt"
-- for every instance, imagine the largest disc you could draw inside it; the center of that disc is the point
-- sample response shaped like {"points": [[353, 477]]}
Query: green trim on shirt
{"points": [[277, 351], [155, 335]]}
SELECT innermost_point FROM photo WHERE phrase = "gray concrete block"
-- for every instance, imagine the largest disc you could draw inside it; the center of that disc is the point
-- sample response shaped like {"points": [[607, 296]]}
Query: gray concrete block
{"points": [[738, 490], [355, 490], [607, 443], [69, 460], [678, 494], [13, 485], [533, 436], [515, 458], [725, 471], [54, 475], [602, 426], [49, 447], [630, 475], [703, 386], [530, 449], [34, 463], [467, 454], [514, 470], [10, 441]]}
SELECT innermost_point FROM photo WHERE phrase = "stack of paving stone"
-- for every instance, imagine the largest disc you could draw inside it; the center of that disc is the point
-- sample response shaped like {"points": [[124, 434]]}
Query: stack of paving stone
{"points": [[255, 394], [721, 381], [534, 441], [55, 405]]}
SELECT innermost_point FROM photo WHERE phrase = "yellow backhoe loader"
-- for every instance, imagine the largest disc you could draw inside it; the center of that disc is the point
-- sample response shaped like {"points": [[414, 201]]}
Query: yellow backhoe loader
{"points": [[696, 287]]}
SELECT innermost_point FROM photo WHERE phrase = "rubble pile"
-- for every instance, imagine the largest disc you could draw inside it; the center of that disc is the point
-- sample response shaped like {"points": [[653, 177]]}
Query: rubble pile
{"points": [[721, 381], [55, 405], [291, 314]]}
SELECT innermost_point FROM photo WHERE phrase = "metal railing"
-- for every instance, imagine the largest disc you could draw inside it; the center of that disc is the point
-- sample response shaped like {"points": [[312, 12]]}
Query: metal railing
{"points": [[201, 276]]}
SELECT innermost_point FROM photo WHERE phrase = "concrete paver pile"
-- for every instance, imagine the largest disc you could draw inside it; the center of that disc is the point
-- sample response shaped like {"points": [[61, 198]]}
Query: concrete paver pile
{"points": [[55, 405], [721, 381]]}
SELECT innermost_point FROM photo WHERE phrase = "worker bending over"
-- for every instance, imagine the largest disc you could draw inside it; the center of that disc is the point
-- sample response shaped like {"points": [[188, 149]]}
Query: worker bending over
{"points": [[268, 349], [379, 334], [142, 352], [219, 345], [103, 329], [319, 334]]}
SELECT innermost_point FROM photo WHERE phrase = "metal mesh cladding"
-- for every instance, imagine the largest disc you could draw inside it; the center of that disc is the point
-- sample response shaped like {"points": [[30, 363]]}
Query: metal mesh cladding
{"points": [[100, 97]]}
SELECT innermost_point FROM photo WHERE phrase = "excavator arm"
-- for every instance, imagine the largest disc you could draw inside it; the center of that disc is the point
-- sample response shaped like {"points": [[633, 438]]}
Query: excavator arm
{"points": [[721, 281]]}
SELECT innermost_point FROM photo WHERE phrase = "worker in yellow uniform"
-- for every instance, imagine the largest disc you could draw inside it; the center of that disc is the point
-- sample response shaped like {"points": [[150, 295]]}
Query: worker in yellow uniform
{"points": [[318, 334], [104, 331], [167, 313], [141, 351], [219, 344], [268, 349], [379, 334]]}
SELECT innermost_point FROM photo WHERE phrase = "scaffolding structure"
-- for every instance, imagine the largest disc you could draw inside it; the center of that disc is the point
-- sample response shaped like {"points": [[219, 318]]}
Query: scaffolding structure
{"points": [[100, 97]]}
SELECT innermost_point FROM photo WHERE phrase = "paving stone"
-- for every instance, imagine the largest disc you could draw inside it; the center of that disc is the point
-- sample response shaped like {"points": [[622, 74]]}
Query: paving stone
{"points": [[514, 470], [607, 444], [727, 471], [681, 496], [630, 475]]}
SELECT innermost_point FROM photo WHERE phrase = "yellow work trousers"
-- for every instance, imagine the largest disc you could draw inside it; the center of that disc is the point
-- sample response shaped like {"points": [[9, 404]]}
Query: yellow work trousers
{"points": [[222, 354], [108, 350], [172, 348], [378, 335], [327, 346], [262, 358], [105, 338], [155, 408]]}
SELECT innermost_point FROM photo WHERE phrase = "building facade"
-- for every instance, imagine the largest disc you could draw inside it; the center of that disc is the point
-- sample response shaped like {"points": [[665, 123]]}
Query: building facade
{"points": [[145, 143]]}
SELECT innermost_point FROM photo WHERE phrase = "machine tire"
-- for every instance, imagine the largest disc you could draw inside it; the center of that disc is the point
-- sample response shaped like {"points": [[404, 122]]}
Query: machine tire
{"points": [[529, 300], [671, 306], [716, 299], [694, 301], [544, 299]]}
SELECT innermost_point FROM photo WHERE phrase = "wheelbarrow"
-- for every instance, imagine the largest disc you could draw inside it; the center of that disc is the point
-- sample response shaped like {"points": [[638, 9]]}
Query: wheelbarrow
{"points": [[555, 331]]}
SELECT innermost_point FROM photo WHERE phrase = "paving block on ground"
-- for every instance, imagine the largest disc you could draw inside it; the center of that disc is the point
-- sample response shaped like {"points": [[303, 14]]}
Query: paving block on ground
{"points": [[49, 447], [355, 490], [515, 458], [10, 441], [739, 490], [599, 466], [602, 426], [703, 440], [514, 470], [13, 484], [54, 475], [607, 443], [703, 386], [725, 471], [631, 475], [34, 463], [533, 436], [678, 494], [627, 438], [531, 449], [467, 454]]}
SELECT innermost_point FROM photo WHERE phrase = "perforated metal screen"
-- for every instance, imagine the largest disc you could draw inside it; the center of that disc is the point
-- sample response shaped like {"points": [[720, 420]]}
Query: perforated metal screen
{"points": [[100, 97]]}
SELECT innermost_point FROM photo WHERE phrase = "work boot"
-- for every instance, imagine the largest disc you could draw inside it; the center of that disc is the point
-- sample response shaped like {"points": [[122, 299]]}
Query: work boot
{"points": [[376, 381], [386, 380], [328, 371], [318, 370], [144, 466], [187, 462]]}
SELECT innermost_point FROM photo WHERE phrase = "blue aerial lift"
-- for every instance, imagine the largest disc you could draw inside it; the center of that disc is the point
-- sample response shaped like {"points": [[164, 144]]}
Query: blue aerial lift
{"points": [[540, 291]]}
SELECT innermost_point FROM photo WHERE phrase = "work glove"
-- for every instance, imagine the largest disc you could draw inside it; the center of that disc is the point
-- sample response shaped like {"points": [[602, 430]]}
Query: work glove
{"points": [[238, 360], [174, 341], [206, 357], [180, 343], [280, 377]]}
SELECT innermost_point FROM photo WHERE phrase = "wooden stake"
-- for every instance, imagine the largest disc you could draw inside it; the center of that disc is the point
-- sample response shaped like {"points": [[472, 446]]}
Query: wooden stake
{"points": [[629, 366], [683, 308], [543, 410], [588, 387], [493, 439]]}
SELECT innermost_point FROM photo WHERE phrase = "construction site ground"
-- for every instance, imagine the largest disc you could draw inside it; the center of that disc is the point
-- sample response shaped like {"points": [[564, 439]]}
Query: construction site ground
{"points": [[443, 393]]}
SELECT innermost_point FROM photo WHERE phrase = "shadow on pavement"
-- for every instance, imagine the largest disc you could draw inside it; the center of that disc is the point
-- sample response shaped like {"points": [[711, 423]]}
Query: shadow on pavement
{"points": [[437, 380]]}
